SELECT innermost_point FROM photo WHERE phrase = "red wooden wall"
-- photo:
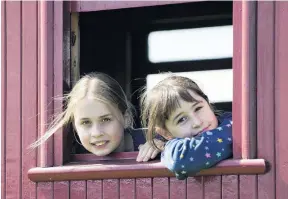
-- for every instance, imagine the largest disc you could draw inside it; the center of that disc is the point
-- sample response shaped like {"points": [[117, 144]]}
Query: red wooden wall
{"points": [[20, 107]]}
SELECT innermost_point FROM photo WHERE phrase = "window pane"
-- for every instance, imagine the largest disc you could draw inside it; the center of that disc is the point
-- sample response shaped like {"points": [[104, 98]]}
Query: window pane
{"points": [[216, 84], [191, 44]]}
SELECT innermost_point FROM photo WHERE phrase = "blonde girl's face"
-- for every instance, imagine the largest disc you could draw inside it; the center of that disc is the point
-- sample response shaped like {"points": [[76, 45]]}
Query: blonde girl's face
{"points": [[98, 126], [191, 118]]}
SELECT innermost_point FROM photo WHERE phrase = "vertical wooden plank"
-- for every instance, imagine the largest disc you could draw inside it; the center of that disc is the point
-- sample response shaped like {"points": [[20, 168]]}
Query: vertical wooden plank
{"points": [[110, 188], [78, 190], [237, 81], [249, 79], [248, 187], [14, 95], [281, 98], [3, 97], [61, 190], [46, 77], [230, 187], [195, 188], [265, 96], [212, 187], [177, 188], [58, 79], [160, 188], [94, 189], [29, 88], [127, 188], [45, 190], [144, 188]]}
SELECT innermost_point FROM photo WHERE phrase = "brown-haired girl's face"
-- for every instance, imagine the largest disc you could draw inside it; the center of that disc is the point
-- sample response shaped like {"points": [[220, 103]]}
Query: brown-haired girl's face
{"points": [[191, 118], [99, 126]]}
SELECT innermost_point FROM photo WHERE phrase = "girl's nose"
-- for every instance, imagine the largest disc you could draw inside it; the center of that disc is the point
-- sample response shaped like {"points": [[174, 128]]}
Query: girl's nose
{"points": [[96, 131], [197, 122]]}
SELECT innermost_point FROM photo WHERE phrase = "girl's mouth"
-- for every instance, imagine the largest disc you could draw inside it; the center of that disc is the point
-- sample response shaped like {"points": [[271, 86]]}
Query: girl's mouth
{"points": [[100, 143]]}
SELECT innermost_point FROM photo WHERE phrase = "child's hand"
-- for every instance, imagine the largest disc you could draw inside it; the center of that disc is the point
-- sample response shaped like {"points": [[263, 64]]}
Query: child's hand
{"points": [[148, 151]]}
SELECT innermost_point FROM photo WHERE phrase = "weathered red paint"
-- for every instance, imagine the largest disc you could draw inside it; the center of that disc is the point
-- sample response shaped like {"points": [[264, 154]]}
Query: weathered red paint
{"points": [[237, 80], [127, 188], [94, 189], [212, 187], [265, 96], [3, 97], [78, 189], [86, 6], [160, 188], [13, 100], [110, 188], [46, 76], [195, 187], [21, 59], [281, 97], [29, 93], [61, 190], [128, 168], [177, 188], [144, 188], [248, 89]]}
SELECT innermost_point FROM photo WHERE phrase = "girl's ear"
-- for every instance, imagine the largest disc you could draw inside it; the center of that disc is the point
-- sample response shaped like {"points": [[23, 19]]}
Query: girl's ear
{"points": [[164, 133]]}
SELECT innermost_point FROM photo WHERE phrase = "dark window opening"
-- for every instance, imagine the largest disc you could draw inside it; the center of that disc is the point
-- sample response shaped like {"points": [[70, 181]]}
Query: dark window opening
{"points": [[116, 42]]}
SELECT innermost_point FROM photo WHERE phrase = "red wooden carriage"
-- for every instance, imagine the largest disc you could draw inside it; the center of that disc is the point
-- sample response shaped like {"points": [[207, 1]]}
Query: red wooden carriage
{"points": [[41, 50]]}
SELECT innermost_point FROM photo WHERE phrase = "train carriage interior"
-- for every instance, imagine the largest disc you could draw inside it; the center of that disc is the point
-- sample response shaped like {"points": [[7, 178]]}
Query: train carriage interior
{"points": [[136, 45]]}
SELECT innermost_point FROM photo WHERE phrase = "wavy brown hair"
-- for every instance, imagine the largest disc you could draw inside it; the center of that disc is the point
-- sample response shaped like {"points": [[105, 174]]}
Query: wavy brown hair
{"points": [[158, 103]]}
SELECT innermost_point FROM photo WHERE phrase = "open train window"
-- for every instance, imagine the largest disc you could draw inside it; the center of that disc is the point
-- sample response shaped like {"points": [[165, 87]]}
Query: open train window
{"points": [[117, 42], [123, 43]]}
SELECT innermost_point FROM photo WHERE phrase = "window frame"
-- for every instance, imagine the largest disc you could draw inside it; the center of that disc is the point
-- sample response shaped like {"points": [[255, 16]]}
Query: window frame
{"points": [[55, 45]]}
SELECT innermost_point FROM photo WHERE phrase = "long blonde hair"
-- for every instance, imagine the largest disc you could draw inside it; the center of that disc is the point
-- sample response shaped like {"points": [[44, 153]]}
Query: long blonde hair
{"points": [[97, 85]]}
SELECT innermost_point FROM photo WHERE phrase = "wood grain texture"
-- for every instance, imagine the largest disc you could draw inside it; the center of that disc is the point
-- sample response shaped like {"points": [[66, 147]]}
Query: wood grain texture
{"points": [[30, 95], [265, 96], [78, 189], [14, 97], [281, 97]]}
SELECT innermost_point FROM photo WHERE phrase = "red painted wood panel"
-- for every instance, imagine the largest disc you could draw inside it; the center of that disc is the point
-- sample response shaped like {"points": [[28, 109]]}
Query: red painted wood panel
{"points": [[58, 77], [160, 188], [237, 83], [86, 6], [46, 10], [281, 98], [3, 97], [29, 92], [45, 190], [248, 187], [230, 187], [61, 190], [212, 187], [127, 188], [110, 188], [14, 96], [195, 187], [265, 94], [94, 189], [144, 188], [78, 190], [178, 189]]}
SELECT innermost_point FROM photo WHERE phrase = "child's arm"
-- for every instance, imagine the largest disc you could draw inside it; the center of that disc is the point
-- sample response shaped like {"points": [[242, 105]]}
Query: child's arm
{"points": [[185, 156]]}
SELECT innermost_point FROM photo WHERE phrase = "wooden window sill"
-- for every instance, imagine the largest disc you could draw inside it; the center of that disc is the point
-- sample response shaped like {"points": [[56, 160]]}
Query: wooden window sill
{"points": [[112, 167]]}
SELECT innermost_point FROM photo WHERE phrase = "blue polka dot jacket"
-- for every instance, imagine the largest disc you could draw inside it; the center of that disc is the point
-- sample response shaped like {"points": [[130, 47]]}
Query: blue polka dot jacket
{"points": [[188, 156]]}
